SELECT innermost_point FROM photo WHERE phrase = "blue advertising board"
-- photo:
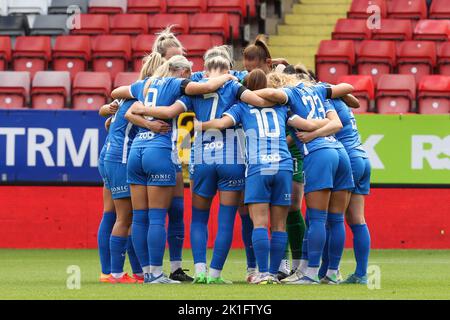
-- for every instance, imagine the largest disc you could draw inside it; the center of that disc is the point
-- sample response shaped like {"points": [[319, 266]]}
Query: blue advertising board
{"points": [[50, 146]]}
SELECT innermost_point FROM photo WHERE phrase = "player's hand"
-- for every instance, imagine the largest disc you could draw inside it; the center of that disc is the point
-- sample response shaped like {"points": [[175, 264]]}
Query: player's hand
{"points": [[158, 126], [305, 137], [231, 77], [113, 107], [197, 125], [108, 123], [139, 110]]}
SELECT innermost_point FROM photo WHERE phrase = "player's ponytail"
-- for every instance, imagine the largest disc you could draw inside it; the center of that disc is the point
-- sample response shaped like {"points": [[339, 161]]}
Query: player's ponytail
{"points": [[256, 80], [220, 51], [258, 50], [150, 62], [165, 40], [172, 65]]}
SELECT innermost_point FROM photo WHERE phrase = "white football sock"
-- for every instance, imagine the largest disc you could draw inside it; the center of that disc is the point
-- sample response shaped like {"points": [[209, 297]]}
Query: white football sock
{"points": [[303, 265], [146, 269], [331, 273], [200, 267], [312, 272], [156, 270], [214, 273], [251, 270], [175, 265], [117, 275]]}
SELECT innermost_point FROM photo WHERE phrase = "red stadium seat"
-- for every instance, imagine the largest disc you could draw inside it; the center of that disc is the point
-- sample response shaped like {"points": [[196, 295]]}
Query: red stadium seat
{"points": [[5, 52], [125, 79], [358, 9], [376, 58], [107, 6], [434, 30], [444, 59], [71, 53], [351, 29], [196, 45], [132, 24], [187, 6], [31, 54], [417, 58], [92, 24], [393, 29], [14, 89], [230, 6], [50, 89], [407, 9], [434, 94], [111, 53], [147, 6], [334, 58], [440, 9], [251, 5], [395, 93], [210, 23], [364, 90], [90, 90], [197, 64], [159, 22], [142, 45]]}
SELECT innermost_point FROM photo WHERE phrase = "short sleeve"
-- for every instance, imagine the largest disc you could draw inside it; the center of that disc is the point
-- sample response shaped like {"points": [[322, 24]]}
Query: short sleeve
{"points": [[187, 103], [238, 90], [288, 92], [324, 91], [329, 106], [197, 76], [183, 85], [234, 113], [136, 89]]}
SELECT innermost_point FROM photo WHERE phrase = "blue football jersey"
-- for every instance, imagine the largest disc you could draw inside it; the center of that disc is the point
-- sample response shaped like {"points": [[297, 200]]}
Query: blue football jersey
{"points": [[308, 103], [265, 132], [212, 106], [101, 156], [121, 134], [161, 92]]}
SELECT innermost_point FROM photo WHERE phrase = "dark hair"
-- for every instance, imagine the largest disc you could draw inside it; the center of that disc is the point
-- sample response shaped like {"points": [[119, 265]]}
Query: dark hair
{"points": [[258, 50], [256, 80]]}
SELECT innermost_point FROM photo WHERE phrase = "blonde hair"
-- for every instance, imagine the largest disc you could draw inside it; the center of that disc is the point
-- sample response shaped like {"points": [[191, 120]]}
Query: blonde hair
{"points": [[220, 51], [218, 62], [150, 63], [172, 65], [280, 80], [165, 40]]}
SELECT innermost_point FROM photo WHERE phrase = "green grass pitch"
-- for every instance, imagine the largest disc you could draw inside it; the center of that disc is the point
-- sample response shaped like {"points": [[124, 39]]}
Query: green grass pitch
{"points": [[42, 274]]}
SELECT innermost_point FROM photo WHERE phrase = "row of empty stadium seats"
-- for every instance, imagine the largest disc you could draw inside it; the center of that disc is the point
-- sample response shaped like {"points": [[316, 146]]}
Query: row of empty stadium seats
{"points": [[242, 7], [89, 90], [219, 24], [54, 89], [401, 9], [392, 29], [397, 93], [377, 57], [108, 53]]}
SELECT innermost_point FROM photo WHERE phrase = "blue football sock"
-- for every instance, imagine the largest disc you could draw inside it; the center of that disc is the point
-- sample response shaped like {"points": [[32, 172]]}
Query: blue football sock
{"points": [[156, 237], [224, 236], [118, 247], [316, 236], [134, 261], [277, 249], [247, 230], [139, 231], [103, 235], [337, 240], [261, 246], [324, 265], [199, 234], [305, 239], [361, 247], [175, 229]]}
